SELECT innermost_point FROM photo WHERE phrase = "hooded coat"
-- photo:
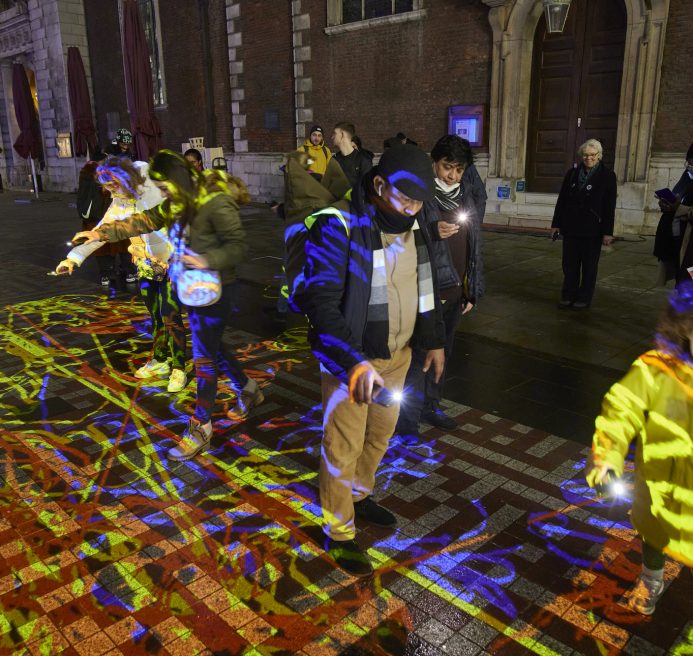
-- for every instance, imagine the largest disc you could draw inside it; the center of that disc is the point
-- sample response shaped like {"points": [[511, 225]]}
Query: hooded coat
{"points": [[653, 404]]}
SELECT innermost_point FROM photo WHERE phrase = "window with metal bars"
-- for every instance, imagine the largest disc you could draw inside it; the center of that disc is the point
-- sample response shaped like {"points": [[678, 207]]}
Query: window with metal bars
{"points": [[358, 10]]}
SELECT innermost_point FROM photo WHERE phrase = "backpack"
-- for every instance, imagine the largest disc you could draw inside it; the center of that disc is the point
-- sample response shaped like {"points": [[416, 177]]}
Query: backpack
{"points": [[295, 238], [307, 197], [91, 203]]}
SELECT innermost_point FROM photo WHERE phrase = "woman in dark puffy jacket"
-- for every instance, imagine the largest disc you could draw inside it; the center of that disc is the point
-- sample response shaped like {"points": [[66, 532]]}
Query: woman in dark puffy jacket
{"points": [[584, 216], [454, 221]]}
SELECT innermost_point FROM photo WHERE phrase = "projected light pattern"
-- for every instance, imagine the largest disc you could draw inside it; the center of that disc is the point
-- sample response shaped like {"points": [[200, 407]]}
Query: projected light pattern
{"points": [[107, 545]]}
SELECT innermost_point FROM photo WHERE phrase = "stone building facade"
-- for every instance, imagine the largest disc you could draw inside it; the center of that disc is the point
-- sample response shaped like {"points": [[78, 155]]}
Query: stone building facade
{"points": [[37, 34], [251, 76]]}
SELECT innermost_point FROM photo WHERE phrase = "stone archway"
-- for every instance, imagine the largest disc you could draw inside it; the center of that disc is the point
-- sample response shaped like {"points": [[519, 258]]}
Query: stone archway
{"points": [[514, 23]]}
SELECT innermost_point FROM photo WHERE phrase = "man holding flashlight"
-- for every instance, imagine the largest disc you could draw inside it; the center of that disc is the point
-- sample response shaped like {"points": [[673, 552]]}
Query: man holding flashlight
{"points": [[369, 296]]}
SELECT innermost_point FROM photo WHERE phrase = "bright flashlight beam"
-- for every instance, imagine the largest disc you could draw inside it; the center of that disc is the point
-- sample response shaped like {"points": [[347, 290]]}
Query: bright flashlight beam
{"points": [[462, 217], [397, 396], [618, 489]]}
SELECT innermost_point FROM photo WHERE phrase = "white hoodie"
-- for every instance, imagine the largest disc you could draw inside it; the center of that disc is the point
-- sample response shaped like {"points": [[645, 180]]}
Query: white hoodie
{"points": [[156, 243]]}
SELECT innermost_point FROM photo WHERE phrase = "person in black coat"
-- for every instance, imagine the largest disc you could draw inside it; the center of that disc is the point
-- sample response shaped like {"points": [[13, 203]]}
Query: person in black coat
{"points": [[670, 230], [584, 216], [354, 163], [454, 217]]}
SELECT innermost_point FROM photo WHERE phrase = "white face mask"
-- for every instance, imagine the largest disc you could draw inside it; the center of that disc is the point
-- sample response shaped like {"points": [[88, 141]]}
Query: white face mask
{"points": [[446, 187]]}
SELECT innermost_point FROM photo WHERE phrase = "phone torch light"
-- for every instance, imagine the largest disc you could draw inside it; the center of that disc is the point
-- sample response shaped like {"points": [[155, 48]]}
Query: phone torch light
{"points": [[462, 217], [617, 489], [397, 396]]}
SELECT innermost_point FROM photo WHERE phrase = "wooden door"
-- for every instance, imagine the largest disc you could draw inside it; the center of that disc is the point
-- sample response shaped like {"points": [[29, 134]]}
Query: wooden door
{"points": [[576, 87]]}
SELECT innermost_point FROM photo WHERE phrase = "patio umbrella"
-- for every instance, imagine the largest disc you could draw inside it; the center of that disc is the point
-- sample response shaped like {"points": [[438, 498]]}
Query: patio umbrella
{"points": [[80, 103], [28, 143], [138, 81]]}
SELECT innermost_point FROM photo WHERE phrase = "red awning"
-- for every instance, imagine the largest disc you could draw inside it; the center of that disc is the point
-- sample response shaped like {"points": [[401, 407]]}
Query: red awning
{"points": [[80, 103], [138, 80], [28, 142]]}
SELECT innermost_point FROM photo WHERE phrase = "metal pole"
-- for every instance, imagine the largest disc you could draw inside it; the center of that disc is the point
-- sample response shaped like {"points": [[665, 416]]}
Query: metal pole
{"points": [[33, 176]]}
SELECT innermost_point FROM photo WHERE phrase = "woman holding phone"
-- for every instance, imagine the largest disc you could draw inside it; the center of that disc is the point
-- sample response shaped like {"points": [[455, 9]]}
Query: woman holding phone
{"points": [[670, 230]]}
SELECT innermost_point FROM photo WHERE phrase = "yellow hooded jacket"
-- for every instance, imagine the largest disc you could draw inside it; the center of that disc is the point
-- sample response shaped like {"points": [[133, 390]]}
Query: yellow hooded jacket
{"points": [[653, 402], [319, 154]]}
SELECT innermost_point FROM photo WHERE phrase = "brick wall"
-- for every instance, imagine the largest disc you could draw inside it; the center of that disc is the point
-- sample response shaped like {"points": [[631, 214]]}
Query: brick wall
{"points": [[674, 126], [267, 74], [184, 68], [185, 112], [401, 77], [106, 56], [220, 73]]}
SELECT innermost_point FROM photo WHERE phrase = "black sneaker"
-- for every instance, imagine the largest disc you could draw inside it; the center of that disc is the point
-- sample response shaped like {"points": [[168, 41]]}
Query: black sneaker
{"points": [[412, 438], [370, 511], [436, 417], [348, 555]]}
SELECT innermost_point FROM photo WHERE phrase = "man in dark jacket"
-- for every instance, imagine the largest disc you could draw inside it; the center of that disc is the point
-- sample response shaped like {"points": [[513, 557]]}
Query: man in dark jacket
{"points": [[584, 216], [354, 162], [369, 296], [92, 202]]}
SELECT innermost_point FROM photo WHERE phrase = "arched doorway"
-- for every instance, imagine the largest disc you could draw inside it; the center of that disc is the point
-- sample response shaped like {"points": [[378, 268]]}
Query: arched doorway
{"points": [[575, 90]]}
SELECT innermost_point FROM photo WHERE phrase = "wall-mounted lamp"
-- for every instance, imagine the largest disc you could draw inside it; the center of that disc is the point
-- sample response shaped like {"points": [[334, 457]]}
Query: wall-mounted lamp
{"points": [[556, 12]]}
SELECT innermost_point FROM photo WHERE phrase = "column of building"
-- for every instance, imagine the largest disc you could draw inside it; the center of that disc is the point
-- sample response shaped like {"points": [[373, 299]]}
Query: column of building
{"points": [[56, 25], [303, 84], [15, 42]]}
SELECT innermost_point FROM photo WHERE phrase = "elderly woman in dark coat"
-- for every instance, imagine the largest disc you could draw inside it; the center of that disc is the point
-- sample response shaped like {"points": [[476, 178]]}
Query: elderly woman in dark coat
{"points": [[584, 216]]}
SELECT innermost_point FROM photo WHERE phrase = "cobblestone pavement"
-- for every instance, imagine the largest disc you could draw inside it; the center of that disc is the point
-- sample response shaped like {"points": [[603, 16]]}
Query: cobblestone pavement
{"points": [[106, 547]]}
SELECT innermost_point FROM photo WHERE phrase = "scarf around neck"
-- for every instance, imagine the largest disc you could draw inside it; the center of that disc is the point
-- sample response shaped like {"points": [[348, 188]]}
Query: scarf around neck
{"points": [[449, 198], [584, 175]]}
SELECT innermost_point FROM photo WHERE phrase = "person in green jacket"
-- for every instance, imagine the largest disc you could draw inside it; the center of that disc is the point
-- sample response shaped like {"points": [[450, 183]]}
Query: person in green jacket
{"points": [[201, 213], [653, 404]]}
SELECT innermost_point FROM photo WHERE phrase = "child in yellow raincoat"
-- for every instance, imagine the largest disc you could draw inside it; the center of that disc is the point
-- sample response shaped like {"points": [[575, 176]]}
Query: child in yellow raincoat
{"points": [[653, 404]]}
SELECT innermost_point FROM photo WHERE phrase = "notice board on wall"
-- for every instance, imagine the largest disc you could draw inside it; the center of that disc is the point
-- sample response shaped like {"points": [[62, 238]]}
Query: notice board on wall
{"points": [[467, 122]]}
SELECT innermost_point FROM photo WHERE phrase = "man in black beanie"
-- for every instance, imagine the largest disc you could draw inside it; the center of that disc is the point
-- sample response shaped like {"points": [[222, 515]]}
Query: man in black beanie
{"points": [[318, 152], [369, 295]]}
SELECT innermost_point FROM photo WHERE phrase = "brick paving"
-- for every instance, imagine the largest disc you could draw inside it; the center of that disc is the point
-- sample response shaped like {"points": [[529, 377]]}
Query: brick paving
{"points": [[108, 548]]}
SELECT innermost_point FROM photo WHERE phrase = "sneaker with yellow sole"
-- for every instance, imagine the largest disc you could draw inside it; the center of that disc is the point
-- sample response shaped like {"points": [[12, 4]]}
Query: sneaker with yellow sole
{"points": [[177, 381], [153, 369]]}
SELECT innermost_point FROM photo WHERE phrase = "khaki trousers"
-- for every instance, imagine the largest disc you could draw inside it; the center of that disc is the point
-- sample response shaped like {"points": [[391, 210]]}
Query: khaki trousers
{"points": [[355, 439]]}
